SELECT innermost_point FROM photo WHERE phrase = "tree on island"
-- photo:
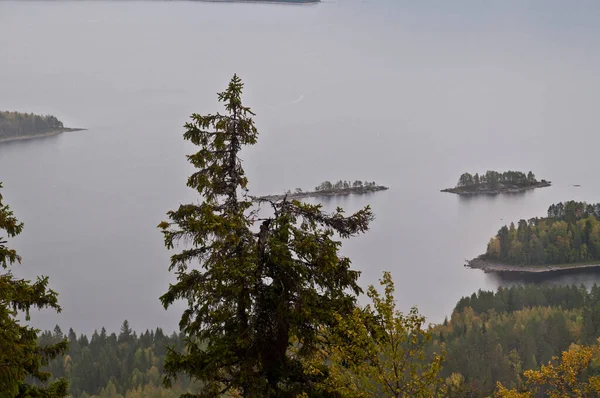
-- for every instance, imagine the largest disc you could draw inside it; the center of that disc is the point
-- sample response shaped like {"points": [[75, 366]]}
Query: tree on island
{"points": [[252, 293], [342, 184], [21, 356]]}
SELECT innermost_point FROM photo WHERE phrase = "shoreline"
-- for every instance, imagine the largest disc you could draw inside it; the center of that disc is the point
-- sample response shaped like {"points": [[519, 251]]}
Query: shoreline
{"points": [[50, 133], [489, 191], [317, 194], [488, 266], [261, 1]]}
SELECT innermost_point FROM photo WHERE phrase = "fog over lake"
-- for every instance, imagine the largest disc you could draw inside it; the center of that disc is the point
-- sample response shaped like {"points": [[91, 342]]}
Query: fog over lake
{"points": [[408, 94]]}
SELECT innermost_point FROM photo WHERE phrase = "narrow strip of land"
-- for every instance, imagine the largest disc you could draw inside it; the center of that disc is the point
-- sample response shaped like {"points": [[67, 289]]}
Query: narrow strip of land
{"points": [[43, 134], [362, 190], [491, 266]]}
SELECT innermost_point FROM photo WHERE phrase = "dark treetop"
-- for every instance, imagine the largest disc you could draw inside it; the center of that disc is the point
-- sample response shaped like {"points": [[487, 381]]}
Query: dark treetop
{"points": [[493, 182]]}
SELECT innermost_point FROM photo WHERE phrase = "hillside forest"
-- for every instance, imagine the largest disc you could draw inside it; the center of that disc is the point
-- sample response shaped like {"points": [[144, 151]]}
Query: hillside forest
{"points": [[490, 337]]}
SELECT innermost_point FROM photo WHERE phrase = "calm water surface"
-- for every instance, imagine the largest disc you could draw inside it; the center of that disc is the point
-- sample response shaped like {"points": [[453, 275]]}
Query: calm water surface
{"points": [[410, 94]]}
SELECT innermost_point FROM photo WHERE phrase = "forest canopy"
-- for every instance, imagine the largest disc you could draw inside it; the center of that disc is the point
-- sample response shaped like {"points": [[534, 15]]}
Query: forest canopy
{"points": [[16, 124], [491, 336], [569, 234], [497, 336], [113, 365]]}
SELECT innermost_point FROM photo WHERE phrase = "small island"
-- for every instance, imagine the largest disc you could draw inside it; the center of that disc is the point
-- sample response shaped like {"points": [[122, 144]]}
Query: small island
{"points": [[493, 183], [326, 188], [23, 126], [567, 239]]}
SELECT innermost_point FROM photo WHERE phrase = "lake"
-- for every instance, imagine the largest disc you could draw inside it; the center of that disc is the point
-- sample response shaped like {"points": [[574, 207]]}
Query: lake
{"points": [[408, 94]]}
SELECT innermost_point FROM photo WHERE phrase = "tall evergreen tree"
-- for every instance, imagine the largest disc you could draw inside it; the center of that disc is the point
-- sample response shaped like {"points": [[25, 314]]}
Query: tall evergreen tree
{"points": [[20, 355], [125, 334], [252, 290]]}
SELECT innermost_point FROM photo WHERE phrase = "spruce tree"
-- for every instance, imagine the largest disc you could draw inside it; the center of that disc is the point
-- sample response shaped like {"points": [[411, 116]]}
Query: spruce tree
{"points": [[20, 355], [126, 332], [255, 288]]}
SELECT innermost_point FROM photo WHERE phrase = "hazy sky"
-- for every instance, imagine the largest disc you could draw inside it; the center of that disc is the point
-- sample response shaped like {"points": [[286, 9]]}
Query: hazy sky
{"points": [[410, 94]]}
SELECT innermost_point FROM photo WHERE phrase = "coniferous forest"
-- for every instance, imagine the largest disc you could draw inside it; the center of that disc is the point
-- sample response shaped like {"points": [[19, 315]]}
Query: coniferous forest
{"points": [[272, 309], [122, 364], [490, 337], [495, 337], [569, 234], [16, 124]]}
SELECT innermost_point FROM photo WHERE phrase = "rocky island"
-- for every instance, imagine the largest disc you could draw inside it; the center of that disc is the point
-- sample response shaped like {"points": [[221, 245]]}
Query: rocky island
{"points": [[493, 183], [326, 188], [23, 126], [567, 239]]}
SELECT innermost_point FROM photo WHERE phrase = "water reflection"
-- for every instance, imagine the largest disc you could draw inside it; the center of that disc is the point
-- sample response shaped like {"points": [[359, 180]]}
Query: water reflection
{"points": [[29, 142], [587, 277], [467, 199]]}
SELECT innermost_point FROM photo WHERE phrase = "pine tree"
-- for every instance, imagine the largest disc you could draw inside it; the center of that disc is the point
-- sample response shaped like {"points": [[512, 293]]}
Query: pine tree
{"points": [[252, 293], [20, 354]]}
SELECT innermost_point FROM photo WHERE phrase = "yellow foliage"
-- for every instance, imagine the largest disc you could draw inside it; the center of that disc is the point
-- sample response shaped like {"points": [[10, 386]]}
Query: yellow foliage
{"points": [[379, 350], [566, 377], [493, 248], [503, 392]]}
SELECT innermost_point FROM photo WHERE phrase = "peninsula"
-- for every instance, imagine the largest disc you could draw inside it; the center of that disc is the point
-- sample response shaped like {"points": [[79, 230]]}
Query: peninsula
{"points": [[23, 126], [326, 188], [567, 239], [493, 183]]}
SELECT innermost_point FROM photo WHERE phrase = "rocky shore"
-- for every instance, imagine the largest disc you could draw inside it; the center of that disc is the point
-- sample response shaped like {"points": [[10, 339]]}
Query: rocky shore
{"points": [[316, 194], [495, 191], [491, 266], [49, 133]]}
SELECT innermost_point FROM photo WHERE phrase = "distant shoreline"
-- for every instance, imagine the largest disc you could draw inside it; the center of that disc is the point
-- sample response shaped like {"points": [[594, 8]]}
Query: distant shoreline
{"points": [[496, 191], [490, 266], [261, 1], [50, 133], [240, 1]]}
